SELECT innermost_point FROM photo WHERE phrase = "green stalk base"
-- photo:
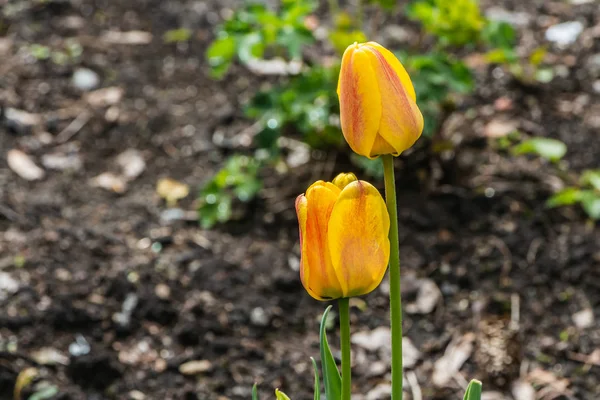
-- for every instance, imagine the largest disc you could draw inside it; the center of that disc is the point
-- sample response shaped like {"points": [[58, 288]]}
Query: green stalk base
{"points": [[395, 298]]}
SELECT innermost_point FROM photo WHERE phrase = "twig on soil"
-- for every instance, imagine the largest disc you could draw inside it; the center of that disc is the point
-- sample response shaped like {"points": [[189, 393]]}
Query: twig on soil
{"points": [[588, 359], [533, 250], [74, 127], [245, 136], [507, 263], [415, 389], [462, 382], [5, 355], [515, 311], [9, 214]]}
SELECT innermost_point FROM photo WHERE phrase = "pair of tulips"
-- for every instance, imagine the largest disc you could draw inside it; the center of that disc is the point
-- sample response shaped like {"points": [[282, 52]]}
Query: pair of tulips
{"points": [[344, 224], [348, 233]]}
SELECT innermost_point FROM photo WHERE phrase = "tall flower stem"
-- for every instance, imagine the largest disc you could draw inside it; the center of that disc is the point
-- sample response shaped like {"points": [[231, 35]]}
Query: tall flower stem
{"points": [[395, 298], [344, 305]]}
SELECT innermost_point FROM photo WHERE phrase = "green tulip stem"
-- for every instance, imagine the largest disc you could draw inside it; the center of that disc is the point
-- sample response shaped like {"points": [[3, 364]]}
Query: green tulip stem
{"points": [[344, 305], [395, 298]]}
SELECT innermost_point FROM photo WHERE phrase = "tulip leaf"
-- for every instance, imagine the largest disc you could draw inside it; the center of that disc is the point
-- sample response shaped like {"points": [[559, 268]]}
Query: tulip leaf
{"points": [[473, 390], [317, 395], [255, 392], [280, 395], [331, 375], [565, 197]]}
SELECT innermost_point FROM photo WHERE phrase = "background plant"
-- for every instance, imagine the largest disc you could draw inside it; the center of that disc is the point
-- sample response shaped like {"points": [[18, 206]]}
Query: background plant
{"points": [[254, 32], [583, 190], [305, 106]]}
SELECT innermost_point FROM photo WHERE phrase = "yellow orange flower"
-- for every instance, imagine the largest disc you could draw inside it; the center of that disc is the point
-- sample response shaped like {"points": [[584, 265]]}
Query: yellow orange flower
{"points": [[378, 109], [343, 237]]}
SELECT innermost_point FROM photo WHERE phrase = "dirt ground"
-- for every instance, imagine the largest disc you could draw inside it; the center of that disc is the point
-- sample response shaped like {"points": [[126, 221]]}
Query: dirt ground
{"points": [[108, 296]]}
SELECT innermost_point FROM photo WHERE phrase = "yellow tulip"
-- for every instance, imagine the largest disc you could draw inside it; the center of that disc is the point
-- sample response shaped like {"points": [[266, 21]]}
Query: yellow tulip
{"points": [[378, 109], [344, 242]]}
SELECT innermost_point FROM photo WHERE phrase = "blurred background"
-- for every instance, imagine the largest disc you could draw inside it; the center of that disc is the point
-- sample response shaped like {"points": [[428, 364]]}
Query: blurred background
{"points": [[151, 152]]}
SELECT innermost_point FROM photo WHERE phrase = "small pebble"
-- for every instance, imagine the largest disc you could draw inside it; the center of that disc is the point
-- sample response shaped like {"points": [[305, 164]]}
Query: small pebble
{"points": [[85, 79], [162, 291], [259, 317], [195, 367], [79, 347], [564, 34]]}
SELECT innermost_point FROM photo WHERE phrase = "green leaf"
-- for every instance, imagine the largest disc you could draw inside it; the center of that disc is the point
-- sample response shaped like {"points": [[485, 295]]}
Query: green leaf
{"points": [[177, 35], [590, 201], [592, 178], [251, 46], [280, 395], [537, 56], [331, 374], [255, 392], [550, 149], [565, 197], [294, 39], [501, 56], [544, 75], [473, 390], [39, 51], [458, 22], [43, 393], [220, 55], [373, 168], [317, 395], [499, 34]]}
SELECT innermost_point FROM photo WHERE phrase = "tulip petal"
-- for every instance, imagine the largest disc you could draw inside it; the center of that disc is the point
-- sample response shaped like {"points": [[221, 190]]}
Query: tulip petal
{"points": [[316, 271], [360, 102], [401, 120], [381, 146], [397, 66], [358, 238]]}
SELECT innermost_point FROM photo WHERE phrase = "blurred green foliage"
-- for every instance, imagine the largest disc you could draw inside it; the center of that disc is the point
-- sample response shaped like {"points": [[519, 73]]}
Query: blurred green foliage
{"points": [[254, 30], [305, 105], [529, 70], [177, 35], [438, 78], [457, 22], [237, 180], [69, 53], [585, 190], [460, 23], [586, 194], [549, 149], [345, 32]]}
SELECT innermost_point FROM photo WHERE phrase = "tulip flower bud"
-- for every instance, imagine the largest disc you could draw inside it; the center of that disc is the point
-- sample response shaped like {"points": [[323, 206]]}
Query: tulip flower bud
{"points": [[344, 242], [343, 179], [378, 109]]}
